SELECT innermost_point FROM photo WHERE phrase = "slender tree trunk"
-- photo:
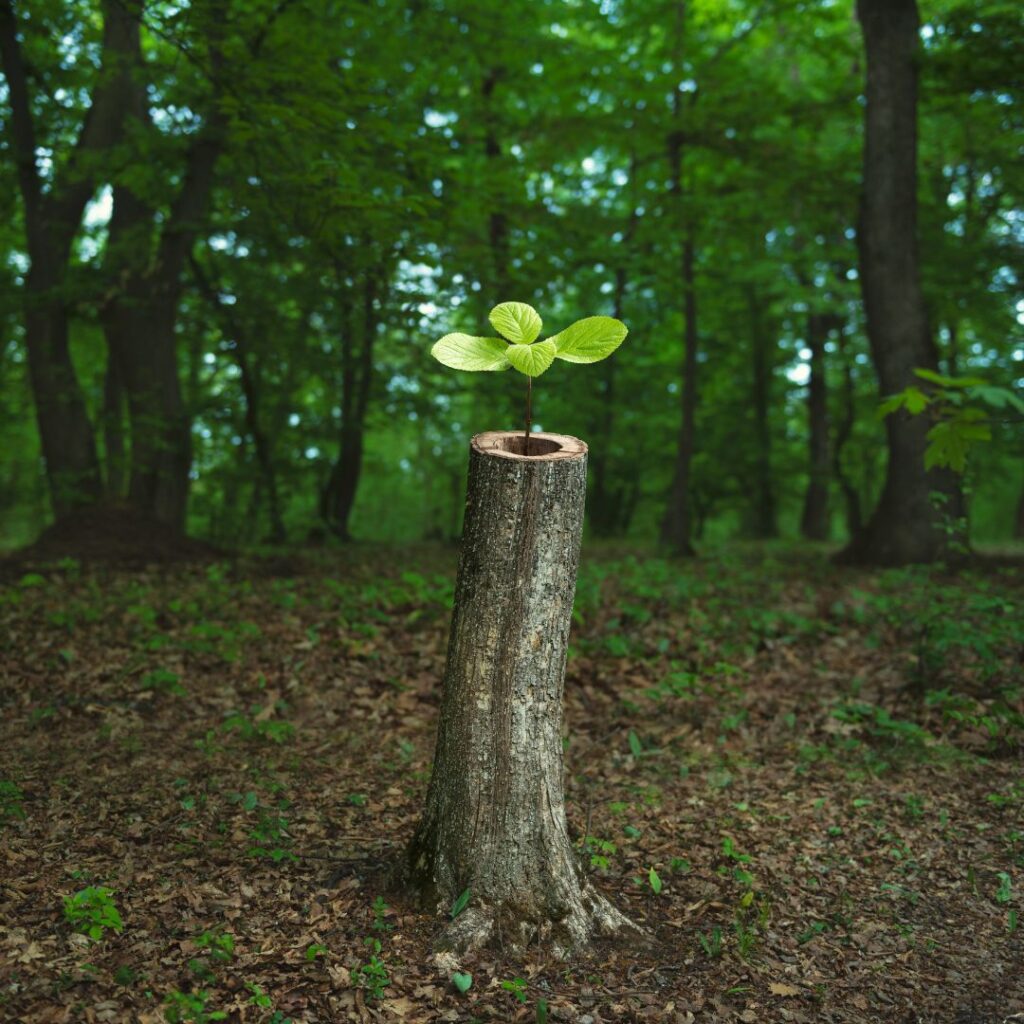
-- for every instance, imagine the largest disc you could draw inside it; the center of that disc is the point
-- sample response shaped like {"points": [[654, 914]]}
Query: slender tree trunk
{"points": [[1018, 526], [905, 526], [339, 495], [494, 822], [844, 431], [765, 525], [676, 528], [814, 523]]}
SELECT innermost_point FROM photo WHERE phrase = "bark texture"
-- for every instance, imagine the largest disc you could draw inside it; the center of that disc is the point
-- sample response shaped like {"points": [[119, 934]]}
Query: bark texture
{"points": [[495, 821], [906, 526]]}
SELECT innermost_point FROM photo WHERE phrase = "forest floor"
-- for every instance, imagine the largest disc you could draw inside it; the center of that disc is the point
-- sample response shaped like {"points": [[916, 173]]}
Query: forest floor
{"points": [[805, 781]]}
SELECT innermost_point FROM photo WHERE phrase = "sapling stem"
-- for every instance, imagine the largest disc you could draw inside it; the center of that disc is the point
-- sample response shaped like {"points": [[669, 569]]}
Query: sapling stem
{"points": [[529, 414]]}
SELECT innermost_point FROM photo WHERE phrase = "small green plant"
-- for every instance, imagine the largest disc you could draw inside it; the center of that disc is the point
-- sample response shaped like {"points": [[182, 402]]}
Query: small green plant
{"points": [[380, 909], [10, 802], [92, 912], [463, 982], [654, 881], [258, 997], [372, 976], [270, 838], [314, 950], [517, 986], [190, 1008], [712, 943], [601, 851], [220, 948], [1005, 891], [460, 904], [746, 937], [586, 341], [162, 680]]}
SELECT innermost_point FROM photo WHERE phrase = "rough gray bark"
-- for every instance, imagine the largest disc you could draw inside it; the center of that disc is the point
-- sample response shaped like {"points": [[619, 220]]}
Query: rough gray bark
{"points": [[495, 821], [906, 525]]}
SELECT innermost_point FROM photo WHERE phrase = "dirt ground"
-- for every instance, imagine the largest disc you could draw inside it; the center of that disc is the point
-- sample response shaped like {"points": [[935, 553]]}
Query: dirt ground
{"points": [[804, 781]]}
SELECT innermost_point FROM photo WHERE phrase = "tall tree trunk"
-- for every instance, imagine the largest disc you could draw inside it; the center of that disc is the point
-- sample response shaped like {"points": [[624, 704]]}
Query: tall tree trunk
{"points": [[339, 495], [905, 526], [676, 527], [494, 821], [1018, 526], [765, 525], [844, 431], [814, 523], [52, 218], [115, 456]]}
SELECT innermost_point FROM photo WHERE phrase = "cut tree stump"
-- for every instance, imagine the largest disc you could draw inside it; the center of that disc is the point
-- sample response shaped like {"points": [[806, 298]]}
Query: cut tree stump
{"points": [[494, 822]]}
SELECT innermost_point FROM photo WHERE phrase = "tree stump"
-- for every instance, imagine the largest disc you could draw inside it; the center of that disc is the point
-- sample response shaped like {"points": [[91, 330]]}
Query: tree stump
{"points": [[494, 822]]}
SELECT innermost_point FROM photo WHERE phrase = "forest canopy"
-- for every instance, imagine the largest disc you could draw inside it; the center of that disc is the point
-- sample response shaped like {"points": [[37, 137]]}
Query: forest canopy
{"points": [[234, 229]]}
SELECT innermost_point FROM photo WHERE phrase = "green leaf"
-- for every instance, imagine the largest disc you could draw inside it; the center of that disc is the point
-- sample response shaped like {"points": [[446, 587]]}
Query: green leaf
{"points": [[463, 982], [516, 321], [636, 748], [460, 904], [532, 360], [915, 400], [464, 352], [590, 339], [998, 398], [652, 877]]}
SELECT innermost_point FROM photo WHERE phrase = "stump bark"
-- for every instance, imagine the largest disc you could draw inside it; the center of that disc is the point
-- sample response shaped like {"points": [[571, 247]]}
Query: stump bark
{"points": [[494, 821]]}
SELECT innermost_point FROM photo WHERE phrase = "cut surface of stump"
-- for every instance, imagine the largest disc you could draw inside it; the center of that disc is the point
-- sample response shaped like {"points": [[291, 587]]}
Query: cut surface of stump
{"points": [[494, 822]]}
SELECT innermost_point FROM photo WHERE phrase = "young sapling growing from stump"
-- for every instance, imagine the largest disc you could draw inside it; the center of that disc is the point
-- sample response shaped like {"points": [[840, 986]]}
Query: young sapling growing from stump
{"points": [[586, 341], [492, 852]]}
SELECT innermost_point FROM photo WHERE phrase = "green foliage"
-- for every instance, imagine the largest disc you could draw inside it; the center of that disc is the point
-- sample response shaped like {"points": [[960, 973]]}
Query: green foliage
{"points": [[11, 798], [961, 409], [462, 982], [190, 1008], [460, 904], [92, 912], [586, 341], [517, 986], [372, 976]]}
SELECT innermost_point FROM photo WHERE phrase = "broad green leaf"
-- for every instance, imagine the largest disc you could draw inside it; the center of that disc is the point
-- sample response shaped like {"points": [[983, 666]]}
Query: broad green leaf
{"points": [[652, 877], [590, 339], [998, 398], [460, 904], [948, 382], [464, 352], [463, 982], [916, 400], [532, 360], [516, 321]]}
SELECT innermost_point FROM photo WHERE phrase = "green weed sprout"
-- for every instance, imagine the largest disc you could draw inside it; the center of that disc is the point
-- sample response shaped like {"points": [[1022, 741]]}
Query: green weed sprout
{"points": [[586, 341], [92, 911]]}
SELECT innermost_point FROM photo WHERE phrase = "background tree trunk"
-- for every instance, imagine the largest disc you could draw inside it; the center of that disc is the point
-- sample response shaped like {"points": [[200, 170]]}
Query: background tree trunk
{"points": [[52, 219], [905, 526], [814, 523], [495, 821], [339, 493], [676, 528], [765, 525]]}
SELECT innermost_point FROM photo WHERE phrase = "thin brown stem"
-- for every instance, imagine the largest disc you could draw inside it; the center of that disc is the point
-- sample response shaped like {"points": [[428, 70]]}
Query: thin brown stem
{"points": [[529, 415]]}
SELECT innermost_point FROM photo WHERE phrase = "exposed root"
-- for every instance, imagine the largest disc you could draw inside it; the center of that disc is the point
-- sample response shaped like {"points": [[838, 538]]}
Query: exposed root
{"points": [[514, 927]]}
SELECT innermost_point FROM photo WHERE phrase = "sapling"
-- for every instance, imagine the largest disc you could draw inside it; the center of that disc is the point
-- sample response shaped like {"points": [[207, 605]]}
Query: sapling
{"points": [[586, 341]]}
